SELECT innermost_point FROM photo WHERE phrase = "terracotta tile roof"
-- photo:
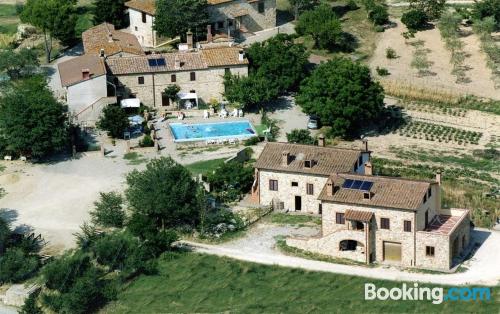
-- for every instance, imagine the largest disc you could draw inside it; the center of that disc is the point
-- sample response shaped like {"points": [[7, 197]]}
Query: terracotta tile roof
{"points": [[358, 215], [443, 224], [194, 60], [146, 6], [104, 36], [216, 57], [327, 160], [71, 71], [385, 192]]}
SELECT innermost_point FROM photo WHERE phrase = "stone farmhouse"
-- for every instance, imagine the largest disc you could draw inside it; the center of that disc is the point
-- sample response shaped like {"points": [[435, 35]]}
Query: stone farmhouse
{"points": [[115, 67], [231, 17], [365, 218], [291, 176]]}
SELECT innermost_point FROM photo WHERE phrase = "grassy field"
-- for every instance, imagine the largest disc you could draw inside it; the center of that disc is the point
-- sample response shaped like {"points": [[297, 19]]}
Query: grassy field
{"points": [[205, 167], [195, 283], [287, 219]]}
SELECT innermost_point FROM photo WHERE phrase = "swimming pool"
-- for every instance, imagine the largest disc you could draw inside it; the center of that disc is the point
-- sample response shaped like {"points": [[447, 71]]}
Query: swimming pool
{"points": [[185, 132]]}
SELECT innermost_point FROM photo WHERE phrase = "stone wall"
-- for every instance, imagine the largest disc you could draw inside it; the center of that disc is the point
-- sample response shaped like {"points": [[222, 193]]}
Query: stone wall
{"points": [[286, 192], [143, 31], [253, 20], [209, 84]]}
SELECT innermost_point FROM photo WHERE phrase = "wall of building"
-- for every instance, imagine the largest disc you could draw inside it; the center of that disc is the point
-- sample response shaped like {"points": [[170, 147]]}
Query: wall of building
{"points": [[432, 205], [209, 84], [286, 192], [395, 233], [253, 21], [143, 31], [83, 94]]}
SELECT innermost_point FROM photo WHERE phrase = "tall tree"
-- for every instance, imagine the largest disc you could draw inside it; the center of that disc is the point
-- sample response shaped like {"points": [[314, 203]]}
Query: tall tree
{"points": [[55, 18], [114, 120], [18, 64], [300, 6], [176, 17], [111, 11], [171, 92], [32, 122], [433, 8], [344, 96]]}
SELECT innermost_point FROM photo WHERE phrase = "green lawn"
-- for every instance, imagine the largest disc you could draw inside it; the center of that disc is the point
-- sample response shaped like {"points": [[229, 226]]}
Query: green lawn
{"points": [[205, 167], [195, 283], [287, 219]]}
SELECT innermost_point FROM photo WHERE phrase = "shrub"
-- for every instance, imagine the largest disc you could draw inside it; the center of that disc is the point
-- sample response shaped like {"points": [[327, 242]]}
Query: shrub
{"points": [[16, 265], [30, 306], [220, 222], [147, 141], [87, 236], [252, 141], [390, 53], [488, 8], [109, 210], [379, 15], [415, 20], [300, 136], [114, 120], [352, 5], [379, 29], [230, 181], [382, 71], [62, 273]]}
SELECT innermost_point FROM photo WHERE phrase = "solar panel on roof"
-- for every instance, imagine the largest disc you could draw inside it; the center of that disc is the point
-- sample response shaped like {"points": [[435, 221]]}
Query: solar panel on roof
{"points": [[366, 186], [347, 183], [356, 184], [152, 62], [160, 62]]}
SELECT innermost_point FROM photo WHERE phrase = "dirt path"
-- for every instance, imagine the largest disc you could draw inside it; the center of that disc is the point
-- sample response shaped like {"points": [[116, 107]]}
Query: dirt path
{"points": [[482, 268]]}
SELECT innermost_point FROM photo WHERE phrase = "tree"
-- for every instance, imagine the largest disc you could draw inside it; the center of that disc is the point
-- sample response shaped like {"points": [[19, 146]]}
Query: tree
{"points": [[344, 96], [414, 20], [177, 17], [109, 211], [300, 6], [171, 92], [488, 8], [55, 18], [17, 265], [300, 136], [30, 306], [162, 196], [114, 120], [379, 15], [110, 11], [324, 27], [32, 122], [18, 64], [432, 8], [231, 180], [277, 65]]}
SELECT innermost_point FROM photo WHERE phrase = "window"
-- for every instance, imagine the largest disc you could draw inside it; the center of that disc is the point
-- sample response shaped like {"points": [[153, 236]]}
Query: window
{"points": [[407, 226], [426, 218], [320, 209], [192, 76], [273, 185], [261, 7], [384, 223], [144, 17], [360, 161], [136, 28], [429, 251], [339, 218], [192, 91], [425, 198], [140, 80], [308, 163], [295, 183], [173, 78], [227, 71], [220, 24], [229, 23], [310, 189], [429, 193]]}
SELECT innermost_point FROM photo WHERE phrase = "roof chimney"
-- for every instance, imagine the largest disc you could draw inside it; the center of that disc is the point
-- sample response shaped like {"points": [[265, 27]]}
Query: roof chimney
{"points": [[321, 140], [101, 53], [209, 33], [189, 39], [330, 187], [438, 177], [110, 37], [365, 143], [177, 63], [368, 168], [85, 74], [241, 56], [285, 158]]}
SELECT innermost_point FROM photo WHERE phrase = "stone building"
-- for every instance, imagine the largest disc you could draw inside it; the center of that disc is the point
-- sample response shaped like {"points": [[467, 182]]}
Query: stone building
{"points": [[388, 220], [103, 40], [198, 72], [226, 16], [291, 176]]}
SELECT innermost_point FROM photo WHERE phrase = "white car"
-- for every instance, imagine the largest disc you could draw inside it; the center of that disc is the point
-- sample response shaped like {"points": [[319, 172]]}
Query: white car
{"points": [[313, 123]]}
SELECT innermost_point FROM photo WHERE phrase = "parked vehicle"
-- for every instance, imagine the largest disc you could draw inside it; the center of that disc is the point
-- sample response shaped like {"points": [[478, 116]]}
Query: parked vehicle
{"points": [[313, 122]]}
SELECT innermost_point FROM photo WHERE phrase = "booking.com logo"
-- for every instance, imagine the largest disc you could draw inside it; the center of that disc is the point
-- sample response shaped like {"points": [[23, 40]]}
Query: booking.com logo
{"points": [[436, 295]]}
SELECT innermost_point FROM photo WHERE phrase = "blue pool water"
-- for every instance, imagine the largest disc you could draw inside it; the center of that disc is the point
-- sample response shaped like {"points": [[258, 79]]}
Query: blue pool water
{"points": [[184, 132]]}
